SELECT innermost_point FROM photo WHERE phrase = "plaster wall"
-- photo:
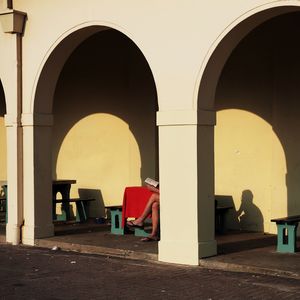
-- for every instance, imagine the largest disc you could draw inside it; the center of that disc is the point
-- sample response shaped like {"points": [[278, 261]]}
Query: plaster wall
{"points": [[7, 72], [174, 49]]}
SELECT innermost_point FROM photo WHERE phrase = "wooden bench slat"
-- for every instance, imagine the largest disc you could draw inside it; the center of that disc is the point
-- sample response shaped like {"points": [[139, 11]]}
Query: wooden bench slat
{"points": [[287, 219]]}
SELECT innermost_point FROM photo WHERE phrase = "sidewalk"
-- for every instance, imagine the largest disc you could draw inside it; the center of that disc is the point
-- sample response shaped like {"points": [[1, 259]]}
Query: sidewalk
{"points": [[253, 252], [237, 251]]}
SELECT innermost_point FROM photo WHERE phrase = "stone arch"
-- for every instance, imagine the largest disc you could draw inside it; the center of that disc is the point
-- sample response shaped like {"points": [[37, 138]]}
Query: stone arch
{"points": [[45, 82], [214, 63], [38, 127], [223, 46]]}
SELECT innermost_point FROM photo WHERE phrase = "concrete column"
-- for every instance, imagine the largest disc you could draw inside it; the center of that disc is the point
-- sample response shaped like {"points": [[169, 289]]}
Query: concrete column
{"points": [[13, 99], [187, 206], [12, 22], [37, 144], [14, 179], [206, 183]]}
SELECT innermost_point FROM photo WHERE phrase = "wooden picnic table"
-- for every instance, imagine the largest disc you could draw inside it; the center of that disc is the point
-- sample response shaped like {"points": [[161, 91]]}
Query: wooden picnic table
{"points": [[63, 186]]}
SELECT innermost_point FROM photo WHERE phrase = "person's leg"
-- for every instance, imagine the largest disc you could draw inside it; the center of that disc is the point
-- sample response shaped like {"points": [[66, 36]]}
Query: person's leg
{"points": [[140, 220], [155, 219]]}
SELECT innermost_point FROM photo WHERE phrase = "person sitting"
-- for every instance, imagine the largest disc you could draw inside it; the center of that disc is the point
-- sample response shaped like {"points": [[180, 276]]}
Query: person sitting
{"points": [[152, 207]]}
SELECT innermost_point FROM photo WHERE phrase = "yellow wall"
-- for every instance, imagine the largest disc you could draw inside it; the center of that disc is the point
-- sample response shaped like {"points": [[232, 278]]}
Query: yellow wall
{"points": [[104, 120], [258, 120]]}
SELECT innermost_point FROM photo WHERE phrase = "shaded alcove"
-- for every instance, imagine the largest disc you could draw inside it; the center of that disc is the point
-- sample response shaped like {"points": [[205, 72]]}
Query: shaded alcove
{"points": [[253, 71], [104, 114], [261, 76]]}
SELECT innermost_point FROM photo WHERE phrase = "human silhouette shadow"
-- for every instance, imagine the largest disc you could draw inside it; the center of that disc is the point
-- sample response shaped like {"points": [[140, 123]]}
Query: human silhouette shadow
{"points": [[249, 215]]}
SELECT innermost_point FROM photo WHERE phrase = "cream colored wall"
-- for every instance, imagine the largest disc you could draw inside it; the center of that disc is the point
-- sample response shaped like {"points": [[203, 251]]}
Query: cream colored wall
{"points": [[184, 40], [257, 145], [104, 120]]}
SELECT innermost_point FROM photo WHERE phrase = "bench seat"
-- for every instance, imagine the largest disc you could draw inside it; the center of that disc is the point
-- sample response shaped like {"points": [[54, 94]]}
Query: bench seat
{"points": [[116, 219], [287, 233], [116, 222], [81, 208]]}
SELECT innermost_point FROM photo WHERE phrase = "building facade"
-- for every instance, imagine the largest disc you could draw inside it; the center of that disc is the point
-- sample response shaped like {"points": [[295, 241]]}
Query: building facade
{"points": [[200, 94]]}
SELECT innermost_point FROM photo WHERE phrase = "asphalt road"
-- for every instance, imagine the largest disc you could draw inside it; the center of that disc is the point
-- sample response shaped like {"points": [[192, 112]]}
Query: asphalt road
{"points": [[34, 273]]}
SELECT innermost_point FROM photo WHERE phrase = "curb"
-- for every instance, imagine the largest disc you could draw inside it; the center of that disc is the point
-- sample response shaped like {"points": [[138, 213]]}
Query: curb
{"points": [[247, 269], [105, 251], [142, 256]]}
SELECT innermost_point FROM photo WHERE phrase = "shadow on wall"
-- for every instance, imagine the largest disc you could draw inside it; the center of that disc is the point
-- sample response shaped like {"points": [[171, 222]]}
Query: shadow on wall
{"points": [[96, 208], [248, 217]]}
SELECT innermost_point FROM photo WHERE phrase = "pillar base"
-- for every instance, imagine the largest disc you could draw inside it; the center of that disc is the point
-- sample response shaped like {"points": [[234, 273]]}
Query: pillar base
{"points": [[13, 234], [207, 248], [30, 233], [185, 253]]}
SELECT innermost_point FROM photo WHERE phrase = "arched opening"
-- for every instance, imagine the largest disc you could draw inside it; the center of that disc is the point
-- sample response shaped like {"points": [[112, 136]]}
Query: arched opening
{"points": [[104, 120], [254, 92], [101, 92], [261, 77], [3, 159]]}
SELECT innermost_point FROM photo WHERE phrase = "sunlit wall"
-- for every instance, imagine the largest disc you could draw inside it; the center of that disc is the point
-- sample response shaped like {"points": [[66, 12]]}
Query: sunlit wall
{"points": [[258, 120], [104, 134]]}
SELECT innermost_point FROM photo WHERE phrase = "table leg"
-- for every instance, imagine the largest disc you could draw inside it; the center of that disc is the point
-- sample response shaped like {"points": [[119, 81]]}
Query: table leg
{"points": [[65, 194]]}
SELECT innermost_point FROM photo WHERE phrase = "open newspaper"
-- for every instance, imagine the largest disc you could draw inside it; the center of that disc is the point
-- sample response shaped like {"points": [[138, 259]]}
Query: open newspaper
{"points": [[152, 182]]}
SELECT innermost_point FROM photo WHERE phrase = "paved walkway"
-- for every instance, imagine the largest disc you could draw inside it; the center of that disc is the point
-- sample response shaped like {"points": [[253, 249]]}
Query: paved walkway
{"points": [[242, 252], [39, 273]]}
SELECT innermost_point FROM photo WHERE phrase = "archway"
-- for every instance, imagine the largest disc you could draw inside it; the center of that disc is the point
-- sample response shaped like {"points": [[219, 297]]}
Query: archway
{"points": [[106, 99], [253, 79], [97, 84]]}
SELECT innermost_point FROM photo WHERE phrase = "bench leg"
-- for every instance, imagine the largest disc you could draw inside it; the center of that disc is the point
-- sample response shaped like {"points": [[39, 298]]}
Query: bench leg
{"points": [[65, 212], [81, 215], [116, 220], [220, 222], [287, 238], [62, 216]]}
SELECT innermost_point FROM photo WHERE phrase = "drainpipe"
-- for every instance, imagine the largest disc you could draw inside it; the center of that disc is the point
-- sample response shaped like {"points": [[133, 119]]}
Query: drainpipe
{"points": [[13, 22]]}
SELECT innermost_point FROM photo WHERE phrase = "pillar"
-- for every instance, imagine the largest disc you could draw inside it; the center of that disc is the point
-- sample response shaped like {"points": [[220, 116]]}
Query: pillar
{"points": [[14, 179], [12, 23], [187, 203], [206, 183], [37, 144]]}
